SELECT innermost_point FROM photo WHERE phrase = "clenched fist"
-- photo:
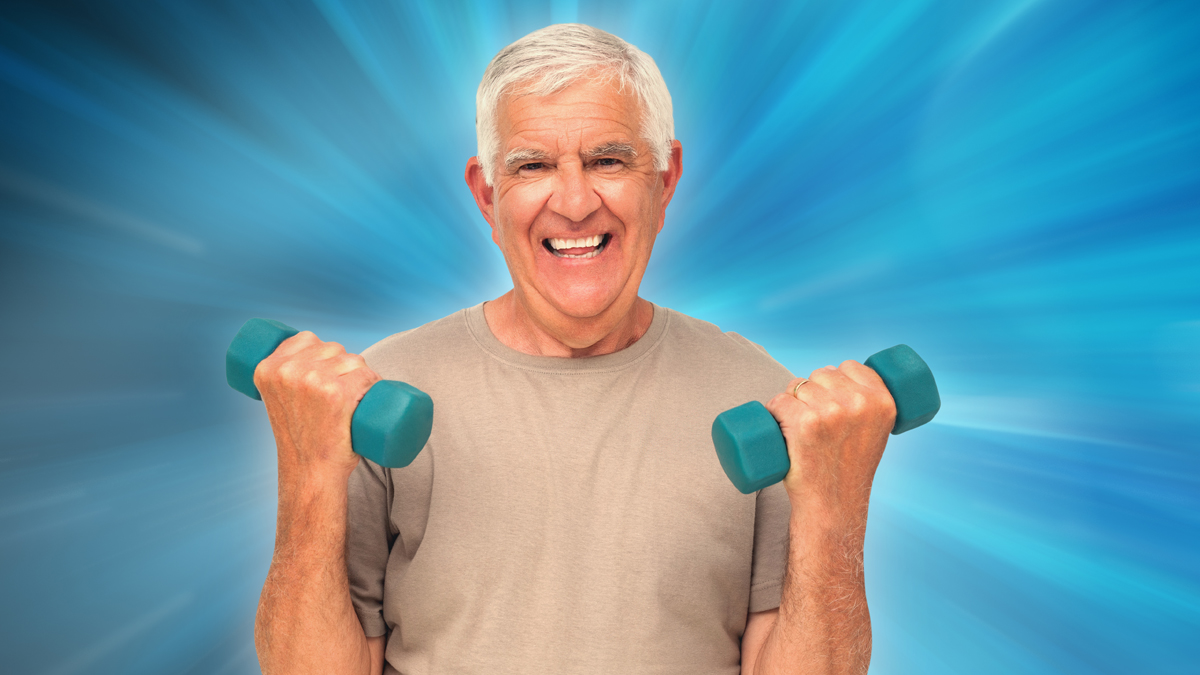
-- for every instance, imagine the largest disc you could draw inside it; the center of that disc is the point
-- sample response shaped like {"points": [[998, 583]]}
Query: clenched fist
{"points": [[836, 425], [311, 389]]}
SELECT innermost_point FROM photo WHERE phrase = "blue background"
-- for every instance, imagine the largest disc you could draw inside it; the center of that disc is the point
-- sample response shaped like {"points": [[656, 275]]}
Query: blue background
{"points": [[1010, 186]]}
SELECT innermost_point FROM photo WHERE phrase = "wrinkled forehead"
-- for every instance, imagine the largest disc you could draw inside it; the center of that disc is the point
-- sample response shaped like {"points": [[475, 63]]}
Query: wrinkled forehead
{"points": [[584, 109]]}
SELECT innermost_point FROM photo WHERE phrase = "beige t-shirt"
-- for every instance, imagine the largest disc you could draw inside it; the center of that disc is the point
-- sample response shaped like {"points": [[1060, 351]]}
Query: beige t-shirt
{"points": [[567, 515]]}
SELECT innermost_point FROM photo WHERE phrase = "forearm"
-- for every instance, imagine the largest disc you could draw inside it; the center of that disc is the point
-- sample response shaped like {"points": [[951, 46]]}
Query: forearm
{"points": [[823, 626], [306, 622]]}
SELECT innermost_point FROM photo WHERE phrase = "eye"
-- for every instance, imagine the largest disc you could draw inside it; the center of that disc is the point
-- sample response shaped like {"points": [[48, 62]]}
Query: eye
{"points": [[608, 161], [532, 166]]}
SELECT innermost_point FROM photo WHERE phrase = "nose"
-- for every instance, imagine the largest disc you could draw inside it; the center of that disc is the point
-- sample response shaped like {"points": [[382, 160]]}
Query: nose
{"points": [[573, 198]]}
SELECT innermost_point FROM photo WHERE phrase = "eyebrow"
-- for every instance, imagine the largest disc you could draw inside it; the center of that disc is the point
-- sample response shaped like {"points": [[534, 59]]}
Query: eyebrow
{"points": [[518, 156], [615, 149]]}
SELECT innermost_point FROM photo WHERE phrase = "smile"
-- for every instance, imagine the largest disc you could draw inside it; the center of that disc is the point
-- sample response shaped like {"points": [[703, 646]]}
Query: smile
{"points": [[587, 247]]}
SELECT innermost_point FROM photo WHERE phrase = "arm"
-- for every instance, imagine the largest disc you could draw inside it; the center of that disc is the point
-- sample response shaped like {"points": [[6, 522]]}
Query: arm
{"points": [[306, 622], [836, 428]]}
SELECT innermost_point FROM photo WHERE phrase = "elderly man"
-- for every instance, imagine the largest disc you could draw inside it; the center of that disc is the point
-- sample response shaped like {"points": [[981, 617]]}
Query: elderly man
{"points": [[568, 514]]}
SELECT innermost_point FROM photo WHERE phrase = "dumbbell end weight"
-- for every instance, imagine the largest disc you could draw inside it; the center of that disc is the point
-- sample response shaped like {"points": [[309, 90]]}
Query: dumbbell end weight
{"points": [[391, 423], [911, 383], [751, 447], [256, 340]]}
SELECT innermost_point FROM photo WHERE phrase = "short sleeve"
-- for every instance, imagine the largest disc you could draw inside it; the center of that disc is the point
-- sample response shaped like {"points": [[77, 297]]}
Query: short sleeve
{"points": [[772, 514], [368, 543]]}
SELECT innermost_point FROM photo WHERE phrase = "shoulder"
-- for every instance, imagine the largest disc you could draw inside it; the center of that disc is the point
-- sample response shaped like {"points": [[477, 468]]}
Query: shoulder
{"points": [[716, 369], [435, 340], [697, 333], [702, 341]]}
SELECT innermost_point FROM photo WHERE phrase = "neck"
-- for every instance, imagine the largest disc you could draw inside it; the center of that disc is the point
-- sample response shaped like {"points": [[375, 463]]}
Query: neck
{"points": [[516, 327]]}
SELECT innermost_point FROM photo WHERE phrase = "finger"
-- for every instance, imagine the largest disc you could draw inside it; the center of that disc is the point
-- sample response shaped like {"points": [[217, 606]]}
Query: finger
{"points": [[308, 361], [320, 351], [796, 419], [796, 383], [809, 393], [300, 341], [861, 374], [280, 363], [784, 407], [829, 376], [838, 391], [872, 383], [340, 365], [359, 381]]}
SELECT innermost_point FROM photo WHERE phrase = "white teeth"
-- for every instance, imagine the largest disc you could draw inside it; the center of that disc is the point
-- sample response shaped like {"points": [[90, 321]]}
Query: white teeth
{"points": [[560, 244], [586, 242]]}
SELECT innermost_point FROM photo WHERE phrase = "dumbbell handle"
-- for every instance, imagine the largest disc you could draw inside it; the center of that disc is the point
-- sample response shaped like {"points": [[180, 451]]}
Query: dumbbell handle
{"points": [[391, 423], [751, 446]]}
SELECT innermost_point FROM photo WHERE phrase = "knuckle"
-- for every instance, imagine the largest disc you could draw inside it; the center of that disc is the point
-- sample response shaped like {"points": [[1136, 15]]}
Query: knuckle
{"points": [[808, 422], [776, 402], [260, 376], [287, 371], [858, 402], [833, 411], [822, 376], [889, 409], [330, 390]]}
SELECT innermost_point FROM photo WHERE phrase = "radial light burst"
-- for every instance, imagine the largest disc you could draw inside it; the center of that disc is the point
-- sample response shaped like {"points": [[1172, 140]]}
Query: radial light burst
{"points": [[1012, 187]]}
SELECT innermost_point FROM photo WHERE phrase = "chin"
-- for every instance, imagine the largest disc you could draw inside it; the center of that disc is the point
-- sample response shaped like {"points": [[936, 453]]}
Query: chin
{"points": [[586, 305]]}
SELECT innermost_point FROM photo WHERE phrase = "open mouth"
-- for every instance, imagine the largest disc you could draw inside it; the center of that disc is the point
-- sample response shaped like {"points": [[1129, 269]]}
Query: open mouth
{"points": [[586, 247]]}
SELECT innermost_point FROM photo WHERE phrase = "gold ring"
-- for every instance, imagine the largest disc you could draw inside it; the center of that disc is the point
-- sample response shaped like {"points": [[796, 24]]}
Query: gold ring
{"points": [[799, 384]]}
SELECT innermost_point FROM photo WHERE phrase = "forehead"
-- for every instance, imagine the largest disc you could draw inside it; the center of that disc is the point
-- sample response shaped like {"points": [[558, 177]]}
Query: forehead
{"points": [[584, 112]]}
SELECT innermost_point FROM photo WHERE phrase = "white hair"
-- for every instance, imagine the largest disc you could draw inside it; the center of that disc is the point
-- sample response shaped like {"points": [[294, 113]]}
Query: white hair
{"points": [[555, 57]]}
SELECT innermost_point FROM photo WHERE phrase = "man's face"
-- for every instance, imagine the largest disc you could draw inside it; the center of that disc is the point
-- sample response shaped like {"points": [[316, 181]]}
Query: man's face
{"points": [[576, 203]]}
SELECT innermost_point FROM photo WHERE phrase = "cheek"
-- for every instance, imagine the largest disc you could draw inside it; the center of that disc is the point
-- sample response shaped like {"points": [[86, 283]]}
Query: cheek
{"points": [[519, 208], [630, 203]]}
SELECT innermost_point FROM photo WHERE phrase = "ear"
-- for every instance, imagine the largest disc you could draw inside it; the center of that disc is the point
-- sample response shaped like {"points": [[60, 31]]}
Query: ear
{"points": [[670, 179], [481, 191]]}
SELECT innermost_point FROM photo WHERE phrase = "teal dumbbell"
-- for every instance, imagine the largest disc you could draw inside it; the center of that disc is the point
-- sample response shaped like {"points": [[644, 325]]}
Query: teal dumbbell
{"points": [[391, 423], [751, 446]]}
